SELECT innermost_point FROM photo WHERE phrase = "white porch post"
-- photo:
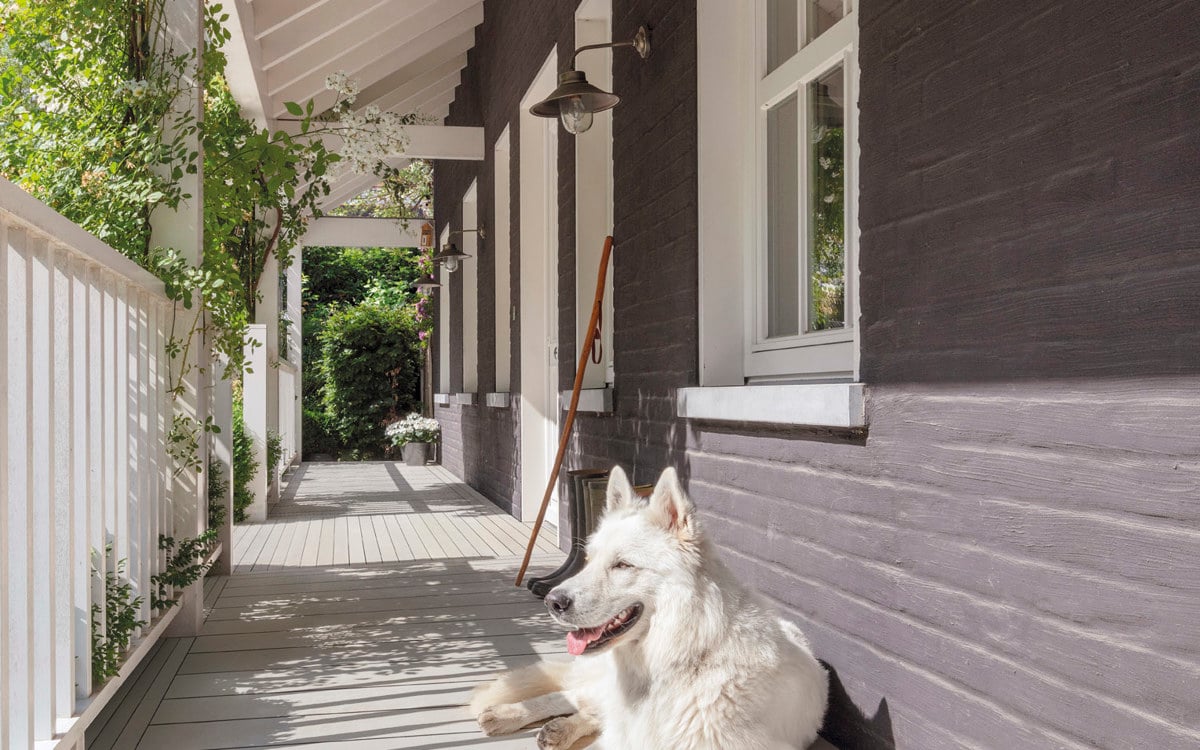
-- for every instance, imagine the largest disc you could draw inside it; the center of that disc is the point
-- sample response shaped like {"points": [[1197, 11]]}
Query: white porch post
{"points": [[183, 230], [266, 313], [254, 412], [293, 346]]}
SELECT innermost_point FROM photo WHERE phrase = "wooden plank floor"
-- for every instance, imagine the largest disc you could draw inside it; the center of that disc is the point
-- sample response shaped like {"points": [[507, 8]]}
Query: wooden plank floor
{"points": [[359, 616]]}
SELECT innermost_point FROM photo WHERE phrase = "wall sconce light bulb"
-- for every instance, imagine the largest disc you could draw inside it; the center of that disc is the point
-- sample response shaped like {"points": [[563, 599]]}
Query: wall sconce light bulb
{"points": [[576, 117]]}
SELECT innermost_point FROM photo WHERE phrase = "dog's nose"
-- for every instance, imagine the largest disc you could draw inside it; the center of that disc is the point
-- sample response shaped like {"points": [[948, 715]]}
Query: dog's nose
{"points": [[558, 601]]}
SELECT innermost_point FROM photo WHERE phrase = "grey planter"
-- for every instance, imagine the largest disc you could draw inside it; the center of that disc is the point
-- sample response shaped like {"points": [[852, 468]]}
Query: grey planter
{"points": [[417, 454]]}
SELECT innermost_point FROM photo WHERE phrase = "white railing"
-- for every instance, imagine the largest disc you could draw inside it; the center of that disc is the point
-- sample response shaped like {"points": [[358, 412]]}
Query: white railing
{"points": [[84, 478]]}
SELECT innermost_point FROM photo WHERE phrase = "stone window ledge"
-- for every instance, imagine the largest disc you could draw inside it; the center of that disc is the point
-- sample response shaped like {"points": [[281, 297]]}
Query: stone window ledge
{"points": [[837, 405]]}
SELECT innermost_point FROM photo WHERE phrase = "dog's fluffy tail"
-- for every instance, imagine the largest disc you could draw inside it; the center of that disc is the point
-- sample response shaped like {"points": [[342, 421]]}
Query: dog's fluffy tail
{"points": [[520, 685]]}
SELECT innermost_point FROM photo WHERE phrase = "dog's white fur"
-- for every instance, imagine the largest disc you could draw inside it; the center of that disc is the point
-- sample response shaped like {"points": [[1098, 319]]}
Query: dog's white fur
{"points": [[708, 666]]}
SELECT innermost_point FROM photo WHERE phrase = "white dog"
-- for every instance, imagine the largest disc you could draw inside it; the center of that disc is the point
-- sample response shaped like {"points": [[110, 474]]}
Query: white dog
{"points": [[673, 652]]}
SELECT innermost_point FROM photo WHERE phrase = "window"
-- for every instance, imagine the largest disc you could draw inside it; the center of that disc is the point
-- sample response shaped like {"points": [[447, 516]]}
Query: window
{"points": [[778, 150], [594, 193], [443, 321], [500, 243], [800, 313], [470, 280]]}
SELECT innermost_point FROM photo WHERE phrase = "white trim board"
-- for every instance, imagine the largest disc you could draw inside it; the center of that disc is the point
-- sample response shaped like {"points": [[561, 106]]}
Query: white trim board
{"points": [[464, 399], [498, 400], [441, 399], [839, 405], [592, 400]]}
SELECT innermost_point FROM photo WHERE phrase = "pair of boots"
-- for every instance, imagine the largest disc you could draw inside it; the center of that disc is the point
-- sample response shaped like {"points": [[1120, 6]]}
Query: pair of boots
{"points": [[582, 517]]}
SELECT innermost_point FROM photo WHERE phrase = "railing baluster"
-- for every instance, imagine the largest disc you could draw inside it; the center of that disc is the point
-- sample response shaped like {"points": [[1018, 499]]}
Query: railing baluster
{"points": [[80, 479], [98, 450], [131, 465], [147, 478], [64, 443], [39, 353], [120, 374], [19, 711]]}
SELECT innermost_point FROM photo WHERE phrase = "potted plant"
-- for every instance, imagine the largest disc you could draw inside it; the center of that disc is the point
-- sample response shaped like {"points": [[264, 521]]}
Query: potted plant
{"points": [[415, 436]]}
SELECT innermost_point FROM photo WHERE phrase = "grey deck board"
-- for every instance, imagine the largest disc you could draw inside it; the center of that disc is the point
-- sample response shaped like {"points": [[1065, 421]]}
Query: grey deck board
{"points": [[360, 615]]}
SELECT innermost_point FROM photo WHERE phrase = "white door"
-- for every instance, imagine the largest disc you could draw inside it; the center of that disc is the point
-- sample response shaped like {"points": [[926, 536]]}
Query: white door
{"points": [[539, 296]]}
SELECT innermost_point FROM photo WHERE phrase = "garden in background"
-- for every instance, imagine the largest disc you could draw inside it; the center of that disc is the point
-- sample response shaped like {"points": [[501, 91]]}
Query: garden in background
{"points": [[365, 329]]}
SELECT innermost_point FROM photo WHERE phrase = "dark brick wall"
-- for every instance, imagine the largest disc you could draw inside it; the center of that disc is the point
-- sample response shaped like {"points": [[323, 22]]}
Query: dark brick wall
{"points": [[1008, 558], [1029, 191]]}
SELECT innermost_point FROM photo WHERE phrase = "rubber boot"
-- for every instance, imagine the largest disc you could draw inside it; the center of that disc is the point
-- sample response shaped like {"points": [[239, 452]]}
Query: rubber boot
{"points": [[580, 522]]}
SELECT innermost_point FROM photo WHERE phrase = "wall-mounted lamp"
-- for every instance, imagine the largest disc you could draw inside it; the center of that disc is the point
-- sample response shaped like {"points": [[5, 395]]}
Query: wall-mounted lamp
{"points": [[426, 284], [451, 255], [575, 100]]}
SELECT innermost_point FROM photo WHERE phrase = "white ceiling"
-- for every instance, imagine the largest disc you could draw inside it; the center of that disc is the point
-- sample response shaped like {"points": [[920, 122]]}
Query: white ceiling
{"points": [[407, 56]]}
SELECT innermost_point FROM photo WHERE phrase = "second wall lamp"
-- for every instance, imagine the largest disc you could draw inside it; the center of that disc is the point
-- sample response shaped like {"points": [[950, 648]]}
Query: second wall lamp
{"points": [[575, 101], [451, 256]]}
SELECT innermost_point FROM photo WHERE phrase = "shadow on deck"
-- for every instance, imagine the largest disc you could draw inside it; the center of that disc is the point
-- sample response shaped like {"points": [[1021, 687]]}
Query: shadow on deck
{"points": [[359, 616]]}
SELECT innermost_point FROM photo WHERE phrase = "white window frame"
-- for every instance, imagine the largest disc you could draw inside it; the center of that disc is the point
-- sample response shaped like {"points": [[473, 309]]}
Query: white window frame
{"points": [[443, 322], [820, 355], [733, 86]]}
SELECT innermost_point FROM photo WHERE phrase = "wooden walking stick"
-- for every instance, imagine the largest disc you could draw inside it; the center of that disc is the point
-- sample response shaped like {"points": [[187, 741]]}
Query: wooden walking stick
{"points": [[585, 353]]}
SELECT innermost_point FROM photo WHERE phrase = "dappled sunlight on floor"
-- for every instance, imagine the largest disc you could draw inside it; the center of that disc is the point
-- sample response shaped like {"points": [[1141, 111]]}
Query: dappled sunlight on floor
{"points": [[377, 647]]}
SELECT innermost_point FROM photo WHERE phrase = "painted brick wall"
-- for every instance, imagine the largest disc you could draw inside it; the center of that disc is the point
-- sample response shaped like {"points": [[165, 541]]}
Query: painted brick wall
{"points": [[1009, 557]]}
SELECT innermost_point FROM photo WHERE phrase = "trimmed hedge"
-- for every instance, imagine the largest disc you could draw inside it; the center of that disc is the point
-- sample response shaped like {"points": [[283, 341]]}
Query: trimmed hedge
{"points": [[371, 367]]}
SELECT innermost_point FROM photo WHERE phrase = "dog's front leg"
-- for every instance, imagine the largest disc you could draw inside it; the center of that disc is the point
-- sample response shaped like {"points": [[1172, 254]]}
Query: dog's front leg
{"points": [[507, 718], [563, 732]]}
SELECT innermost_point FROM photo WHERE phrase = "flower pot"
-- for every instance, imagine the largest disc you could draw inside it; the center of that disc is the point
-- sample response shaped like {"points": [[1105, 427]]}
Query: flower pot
{"points": [[417, 454]]}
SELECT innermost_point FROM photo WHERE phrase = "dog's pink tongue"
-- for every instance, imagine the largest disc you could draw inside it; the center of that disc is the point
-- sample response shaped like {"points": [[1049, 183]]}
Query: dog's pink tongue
{"points": [[578, 640]]}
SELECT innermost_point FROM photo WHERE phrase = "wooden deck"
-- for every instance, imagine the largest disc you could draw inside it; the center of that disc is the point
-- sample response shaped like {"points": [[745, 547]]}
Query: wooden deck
{"points": [[359, 616]]}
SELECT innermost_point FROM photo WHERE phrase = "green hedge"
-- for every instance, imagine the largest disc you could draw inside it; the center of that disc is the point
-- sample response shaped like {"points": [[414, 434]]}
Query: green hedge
{"points": [[371, 366]]}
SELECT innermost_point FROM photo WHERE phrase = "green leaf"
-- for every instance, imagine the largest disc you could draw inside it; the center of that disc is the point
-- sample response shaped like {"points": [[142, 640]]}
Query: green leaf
{"points": [[294, 109]]}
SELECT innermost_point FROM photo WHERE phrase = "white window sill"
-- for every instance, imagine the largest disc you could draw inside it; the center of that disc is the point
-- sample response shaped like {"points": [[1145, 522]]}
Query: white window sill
{"points": [[592, 400], [441, 399], [499, 400], [464, 399], [839, 405]]}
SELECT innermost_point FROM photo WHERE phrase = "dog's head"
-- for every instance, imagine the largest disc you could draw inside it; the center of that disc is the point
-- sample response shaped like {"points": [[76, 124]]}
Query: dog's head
{"points": [[642, 552]]}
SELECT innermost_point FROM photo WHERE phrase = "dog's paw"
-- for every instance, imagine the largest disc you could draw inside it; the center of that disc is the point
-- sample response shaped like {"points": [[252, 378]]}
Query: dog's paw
{"points": [[556, 734], [502, 719]]}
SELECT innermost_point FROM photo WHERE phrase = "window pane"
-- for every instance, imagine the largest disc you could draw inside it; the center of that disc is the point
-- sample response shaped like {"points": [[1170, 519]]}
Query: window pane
{"points": [[827, 202], [783, 24], [783, 218], [822, 15]]}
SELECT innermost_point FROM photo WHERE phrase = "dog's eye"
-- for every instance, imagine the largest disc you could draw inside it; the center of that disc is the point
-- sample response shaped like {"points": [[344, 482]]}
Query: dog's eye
{"points": [[621, 565]]}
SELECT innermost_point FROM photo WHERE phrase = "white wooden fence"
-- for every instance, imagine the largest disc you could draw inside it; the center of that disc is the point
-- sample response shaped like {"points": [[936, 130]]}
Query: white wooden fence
{"points": [[84, 409]]}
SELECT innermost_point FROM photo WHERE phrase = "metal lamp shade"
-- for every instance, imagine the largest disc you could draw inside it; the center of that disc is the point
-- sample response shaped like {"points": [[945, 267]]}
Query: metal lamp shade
{"points": [[573, 84], [428, 284], [450, 256]]}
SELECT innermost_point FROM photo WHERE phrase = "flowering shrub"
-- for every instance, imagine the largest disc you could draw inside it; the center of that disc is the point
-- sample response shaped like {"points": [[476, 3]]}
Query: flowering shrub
{"points": [[414, 429]]}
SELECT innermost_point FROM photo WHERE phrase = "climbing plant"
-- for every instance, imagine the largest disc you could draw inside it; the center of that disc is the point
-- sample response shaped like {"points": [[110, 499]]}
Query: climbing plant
{"points": [[114, 626]]}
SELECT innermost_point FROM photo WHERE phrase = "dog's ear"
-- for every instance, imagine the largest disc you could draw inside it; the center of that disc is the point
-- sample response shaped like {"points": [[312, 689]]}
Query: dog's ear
{"points": [[620, 491], [670, 506]]}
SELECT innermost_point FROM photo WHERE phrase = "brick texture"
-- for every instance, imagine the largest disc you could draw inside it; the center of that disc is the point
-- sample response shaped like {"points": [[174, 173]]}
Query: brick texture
{"points": [[1008, 558]]}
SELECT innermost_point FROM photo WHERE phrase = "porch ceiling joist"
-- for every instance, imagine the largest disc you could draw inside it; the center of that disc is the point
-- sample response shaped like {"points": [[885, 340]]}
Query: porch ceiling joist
{"points": [[337, 231]]}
